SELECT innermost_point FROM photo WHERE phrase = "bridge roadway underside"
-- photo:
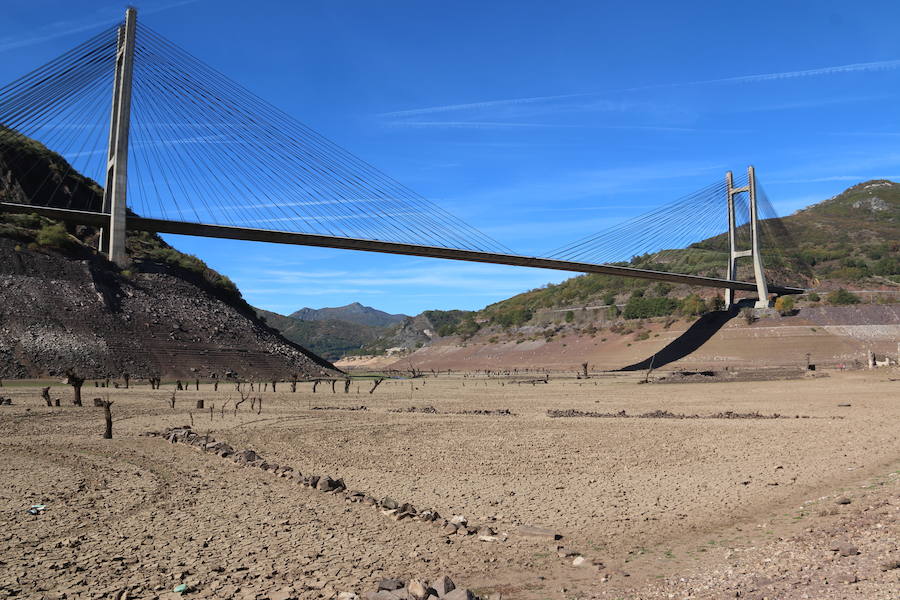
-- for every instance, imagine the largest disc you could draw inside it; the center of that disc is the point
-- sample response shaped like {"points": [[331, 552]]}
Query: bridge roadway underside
{"points": [[304, 239]]}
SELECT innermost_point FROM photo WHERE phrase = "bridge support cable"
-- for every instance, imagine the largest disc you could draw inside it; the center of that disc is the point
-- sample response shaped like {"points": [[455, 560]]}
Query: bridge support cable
{"points": [[63, 105], [247, 163], [698, 234]]}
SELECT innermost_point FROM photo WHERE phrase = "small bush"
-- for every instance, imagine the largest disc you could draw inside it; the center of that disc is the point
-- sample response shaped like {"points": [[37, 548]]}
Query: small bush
{"points": [[570, 316], [813, 297], [842, 297], [693, 306], [55, 236], [784, 305]]}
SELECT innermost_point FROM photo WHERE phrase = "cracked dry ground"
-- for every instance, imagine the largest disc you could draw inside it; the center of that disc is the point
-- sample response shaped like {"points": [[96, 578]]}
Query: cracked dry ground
{"points": [[710, 508]]}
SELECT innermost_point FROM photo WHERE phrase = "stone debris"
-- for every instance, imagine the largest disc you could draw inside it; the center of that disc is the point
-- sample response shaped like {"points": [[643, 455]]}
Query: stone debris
{"points": [[555, 413], [418, 589], [397, 511]]}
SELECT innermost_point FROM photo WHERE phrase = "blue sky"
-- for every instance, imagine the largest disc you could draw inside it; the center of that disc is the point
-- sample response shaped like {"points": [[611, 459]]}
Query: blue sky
{"points": [[536, 122]]}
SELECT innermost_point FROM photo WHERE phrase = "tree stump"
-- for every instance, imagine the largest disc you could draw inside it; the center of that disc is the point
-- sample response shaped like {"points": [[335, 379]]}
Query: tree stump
{"points": [[107, 415]]}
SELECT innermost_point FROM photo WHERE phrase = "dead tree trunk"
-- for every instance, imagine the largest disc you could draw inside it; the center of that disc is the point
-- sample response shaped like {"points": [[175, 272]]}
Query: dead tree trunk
{"points": [[197, 384], [76, 382], [216, 385], [45, 394], [107, 414], [127, 378], [315, 383], [258, 405], [273, 386], [294, 383], [375, 384], [347, 386], [333, 383]]}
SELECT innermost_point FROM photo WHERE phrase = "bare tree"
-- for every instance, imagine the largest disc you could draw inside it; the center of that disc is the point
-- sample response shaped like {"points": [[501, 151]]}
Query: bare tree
{"points": [[333, 383], [347, 386], [375, 384], [76, 382], [315, 383], [244, 396]]}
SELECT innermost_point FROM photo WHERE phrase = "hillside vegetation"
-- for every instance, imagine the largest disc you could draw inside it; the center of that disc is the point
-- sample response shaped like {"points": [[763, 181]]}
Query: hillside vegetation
{"points": [[850, 240]]}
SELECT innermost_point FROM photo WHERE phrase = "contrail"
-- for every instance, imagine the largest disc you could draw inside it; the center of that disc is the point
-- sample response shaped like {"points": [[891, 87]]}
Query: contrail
{"points": [[883, 65]]}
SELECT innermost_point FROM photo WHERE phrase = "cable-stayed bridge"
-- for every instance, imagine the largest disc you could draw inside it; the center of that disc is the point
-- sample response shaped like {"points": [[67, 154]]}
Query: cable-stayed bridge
{"points": [[183, 149]]}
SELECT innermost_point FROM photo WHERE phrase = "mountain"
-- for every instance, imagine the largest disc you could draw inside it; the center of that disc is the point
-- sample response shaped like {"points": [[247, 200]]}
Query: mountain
{"points": [[335, 338], [65, 306], [352, 313], [329, 338]]}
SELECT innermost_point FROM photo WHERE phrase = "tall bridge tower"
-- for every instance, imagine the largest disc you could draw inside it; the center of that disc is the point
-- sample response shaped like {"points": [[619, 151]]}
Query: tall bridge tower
{"points": [[112, 237], [754, 252]]}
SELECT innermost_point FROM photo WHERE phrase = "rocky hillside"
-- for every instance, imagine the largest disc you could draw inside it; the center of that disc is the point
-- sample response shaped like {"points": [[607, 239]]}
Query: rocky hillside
{"points": [[64, 306]]}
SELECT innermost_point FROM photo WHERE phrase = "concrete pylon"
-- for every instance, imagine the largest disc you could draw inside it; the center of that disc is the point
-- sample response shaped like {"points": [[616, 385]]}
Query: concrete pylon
{"points": [[754, 252], [112, 238]]}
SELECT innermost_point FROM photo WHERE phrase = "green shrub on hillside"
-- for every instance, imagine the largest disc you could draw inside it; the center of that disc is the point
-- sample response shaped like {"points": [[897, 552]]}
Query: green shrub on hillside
{"points": [[639, 307], [693, 306], [842, 297], [784, 305], [55, 236]]}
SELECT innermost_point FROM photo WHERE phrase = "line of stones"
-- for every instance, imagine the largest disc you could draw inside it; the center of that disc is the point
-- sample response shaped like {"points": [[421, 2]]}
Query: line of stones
{"points": [[457, 525]]}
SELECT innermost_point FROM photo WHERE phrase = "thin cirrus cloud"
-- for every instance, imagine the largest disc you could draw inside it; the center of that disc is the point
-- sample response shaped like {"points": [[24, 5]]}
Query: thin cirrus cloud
{"points": [[408, 117], [60, 29]]}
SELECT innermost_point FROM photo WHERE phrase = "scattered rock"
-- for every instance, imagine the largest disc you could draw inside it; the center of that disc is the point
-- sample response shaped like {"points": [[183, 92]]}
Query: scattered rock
{"points": [[390, 585], [417, 589], [443, 585]]}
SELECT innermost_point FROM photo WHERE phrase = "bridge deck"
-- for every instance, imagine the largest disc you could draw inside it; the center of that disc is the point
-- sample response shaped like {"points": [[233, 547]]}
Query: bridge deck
{"points": [[306, 239]]}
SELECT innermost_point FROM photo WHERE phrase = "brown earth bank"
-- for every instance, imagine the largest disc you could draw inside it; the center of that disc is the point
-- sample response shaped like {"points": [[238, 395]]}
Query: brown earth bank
{"points": [[823, 335], [801, 506], [60, 312]]}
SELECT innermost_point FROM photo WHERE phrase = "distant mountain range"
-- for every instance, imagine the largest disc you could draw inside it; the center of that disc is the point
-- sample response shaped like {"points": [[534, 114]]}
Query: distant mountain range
{"points": [[351, 313]]}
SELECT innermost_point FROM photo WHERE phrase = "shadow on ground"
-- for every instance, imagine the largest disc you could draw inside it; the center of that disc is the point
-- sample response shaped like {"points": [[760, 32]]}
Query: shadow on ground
{"points": [[696, 335]]}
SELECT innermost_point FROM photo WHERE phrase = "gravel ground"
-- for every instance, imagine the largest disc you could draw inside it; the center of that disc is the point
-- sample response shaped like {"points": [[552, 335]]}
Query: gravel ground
{"points": [[655, 508]]}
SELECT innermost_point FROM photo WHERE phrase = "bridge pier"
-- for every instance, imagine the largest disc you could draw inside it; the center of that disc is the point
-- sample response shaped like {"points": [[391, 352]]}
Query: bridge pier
{"points": [[759, 274], [112, 237]]}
